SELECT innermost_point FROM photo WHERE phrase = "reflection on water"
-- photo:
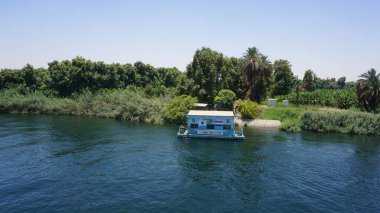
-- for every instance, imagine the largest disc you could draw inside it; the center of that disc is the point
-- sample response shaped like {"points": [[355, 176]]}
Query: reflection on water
{"points": [[88, 164]]}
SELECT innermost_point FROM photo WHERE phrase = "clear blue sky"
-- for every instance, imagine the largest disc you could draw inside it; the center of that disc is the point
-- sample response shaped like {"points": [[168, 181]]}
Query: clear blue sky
{"points": [[333, 38]]}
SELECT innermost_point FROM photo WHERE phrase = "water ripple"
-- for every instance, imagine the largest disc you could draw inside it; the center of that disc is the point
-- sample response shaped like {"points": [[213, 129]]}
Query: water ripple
{"points": [[70, 164]]}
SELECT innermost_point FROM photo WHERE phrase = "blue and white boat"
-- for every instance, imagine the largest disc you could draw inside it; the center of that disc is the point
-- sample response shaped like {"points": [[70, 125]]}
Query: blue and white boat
{"points": [[210, 124]]}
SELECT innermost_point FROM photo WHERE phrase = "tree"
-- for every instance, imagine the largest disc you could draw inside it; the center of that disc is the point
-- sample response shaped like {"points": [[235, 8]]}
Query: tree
{"points": [[146, 73], [297, 90], [60, 76], [185, 85], [309, 80], [231, 77], [168, 76], [10, 78], [283, 77], [227, 98], [205, 70], [342, 82], [368, 90], [28, 76], [329, 83], [257, 72]]}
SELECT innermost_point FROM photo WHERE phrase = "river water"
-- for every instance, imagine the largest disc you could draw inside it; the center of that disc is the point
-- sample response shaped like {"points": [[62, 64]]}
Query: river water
{"points": [[77, 164]]}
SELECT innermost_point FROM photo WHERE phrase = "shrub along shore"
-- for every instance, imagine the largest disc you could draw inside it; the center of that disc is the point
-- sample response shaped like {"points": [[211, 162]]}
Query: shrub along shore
{"points": [[320, 119], [134, 104], [128, 104], [341, 121]]}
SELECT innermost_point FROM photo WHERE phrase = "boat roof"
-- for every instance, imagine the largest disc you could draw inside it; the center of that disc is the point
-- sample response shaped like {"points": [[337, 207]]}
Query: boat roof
{"points": [[210, 113]]}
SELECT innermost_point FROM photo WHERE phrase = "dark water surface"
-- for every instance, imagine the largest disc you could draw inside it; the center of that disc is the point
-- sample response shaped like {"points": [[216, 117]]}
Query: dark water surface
{"points": [[67, 164]]}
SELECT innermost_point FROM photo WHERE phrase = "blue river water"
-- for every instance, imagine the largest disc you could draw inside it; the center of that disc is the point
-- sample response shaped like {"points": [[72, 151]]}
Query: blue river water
{"points": [[81, 164]]}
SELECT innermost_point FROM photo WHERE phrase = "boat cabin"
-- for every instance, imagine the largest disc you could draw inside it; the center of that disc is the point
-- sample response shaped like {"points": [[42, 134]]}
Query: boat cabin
{"points": [[210, 122], [211, 125]]}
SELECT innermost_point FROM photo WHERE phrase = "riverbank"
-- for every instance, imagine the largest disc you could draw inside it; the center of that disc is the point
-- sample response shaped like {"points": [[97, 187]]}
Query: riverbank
{"points": [[322, 119], [136, 105], [258, 123], [127, 104]]}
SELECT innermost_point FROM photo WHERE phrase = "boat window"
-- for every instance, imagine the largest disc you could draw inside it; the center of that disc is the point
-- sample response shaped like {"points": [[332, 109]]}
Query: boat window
{"points": [[193, 120], [194, 126], [226, 126], [228, 121], [210, 126]]}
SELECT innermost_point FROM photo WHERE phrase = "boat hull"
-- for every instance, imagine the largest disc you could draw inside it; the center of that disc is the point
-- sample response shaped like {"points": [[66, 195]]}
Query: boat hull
{"points": [[221, 137]]}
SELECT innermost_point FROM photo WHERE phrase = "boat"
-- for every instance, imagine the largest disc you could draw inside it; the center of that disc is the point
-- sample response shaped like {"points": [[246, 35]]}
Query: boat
{"points": [[210, 125]]}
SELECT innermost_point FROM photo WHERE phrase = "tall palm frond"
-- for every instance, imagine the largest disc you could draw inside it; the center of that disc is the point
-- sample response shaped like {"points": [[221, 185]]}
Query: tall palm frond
{"points": [[256, 69], [368, 90], [251, 65]]}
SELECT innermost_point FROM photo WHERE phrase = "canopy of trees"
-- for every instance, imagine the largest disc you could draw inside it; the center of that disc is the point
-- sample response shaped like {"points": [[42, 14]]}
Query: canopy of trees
{"points": [[252, 76], [68, 77], [210, 72]]}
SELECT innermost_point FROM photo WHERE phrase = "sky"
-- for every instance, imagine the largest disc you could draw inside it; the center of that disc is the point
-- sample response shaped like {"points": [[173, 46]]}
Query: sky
{"points": [[333, 38]]}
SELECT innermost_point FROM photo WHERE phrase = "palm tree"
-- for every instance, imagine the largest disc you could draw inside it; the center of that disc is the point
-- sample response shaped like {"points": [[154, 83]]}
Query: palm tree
{"points": [[368, 90], [257, 71]]}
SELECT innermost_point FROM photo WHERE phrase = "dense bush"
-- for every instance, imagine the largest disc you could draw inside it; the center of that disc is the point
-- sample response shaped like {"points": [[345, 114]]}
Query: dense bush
{"points": [[248, 109], [176, 109], [291, 125], [342, 99], [128, 104], [341, 121], [227, 98]]}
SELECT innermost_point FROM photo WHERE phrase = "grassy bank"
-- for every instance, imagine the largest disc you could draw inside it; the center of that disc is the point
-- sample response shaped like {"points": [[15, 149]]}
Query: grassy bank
{"points": [[323, 119], [289, 116], [127, 104], [341, 121]]}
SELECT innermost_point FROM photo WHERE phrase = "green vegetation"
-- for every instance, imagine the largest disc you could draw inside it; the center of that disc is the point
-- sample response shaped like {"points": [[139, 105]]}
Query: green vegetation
{"points": [[257, 71], [289, 116], [368, 90], [332, 83], [283, 77], [341, 121], [248, 109], [342, 99], [68, 77], [210, 72], [282, 113], [309, 80], [128, 104], [141, 92], [251, 76], [176, 109], [227, 98]]}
